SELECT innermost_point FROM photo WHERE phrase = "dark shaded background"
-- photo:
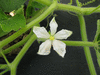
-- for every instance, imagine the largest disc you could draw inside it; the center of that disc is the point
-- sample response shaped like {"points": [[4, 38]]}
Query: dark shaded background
{"points": [[74, 62]]}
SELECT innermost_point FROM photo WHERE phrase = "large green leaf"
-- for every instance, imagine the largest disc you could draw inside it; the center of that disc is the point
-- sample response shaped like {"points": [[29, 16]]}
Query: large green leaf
{"points": [[8, 23], [10, 5], [13, 23]]}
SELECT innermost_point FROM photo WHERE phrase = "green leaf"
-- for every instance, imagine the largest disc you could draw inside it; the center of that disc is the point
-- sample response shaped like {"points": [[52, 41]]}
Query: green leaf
{"points": [[31, 11], [13, 23], [5, 18], [2, 15], [37, 5], [2, 33], [10, 5], [20, 10]]}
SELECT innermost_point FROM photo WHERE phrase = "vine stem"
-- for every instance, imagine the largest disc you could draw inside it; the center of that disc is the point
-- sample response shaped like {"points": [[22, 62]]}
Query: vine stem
{"points": [[13, 69], [13, 65], [86, 49], [67, 7], [8, 50], [24, 49], [4, 71], [68, 43], [5, 58]]}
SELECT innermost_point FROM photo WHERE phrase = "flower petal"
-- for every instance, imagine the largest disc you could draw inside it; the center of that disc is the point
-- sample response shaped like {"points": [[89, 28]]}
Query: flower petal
{"points": [[59, 47], [63, 34], [41, 32], [44, 48], [53, 26]]}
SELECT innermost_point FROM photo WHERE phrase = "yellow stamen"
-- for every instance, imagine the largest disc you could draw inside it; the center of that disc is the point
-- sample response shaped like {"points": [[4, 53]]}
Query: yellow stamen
{"points": [[51, 38]]}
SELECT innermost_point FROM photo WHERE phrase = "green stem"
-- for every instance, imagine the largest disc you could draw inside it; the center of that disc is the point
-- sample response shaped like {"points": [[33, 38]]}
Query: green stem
{"points": [[30, 25], [84, 4], [16, 61], [70, 2], [8, 50], [4, 66], [93, 10], [67, 7], [5, 58], [13, 70], [4, 71], [80, 43], [78, 3], [86, 49], [24, 49]]}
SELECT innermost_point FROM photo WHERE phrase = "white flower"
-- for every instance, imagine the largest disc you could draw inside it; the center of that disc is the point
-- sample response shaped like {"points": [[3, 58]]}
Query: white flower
{"points": [[51, 39]]}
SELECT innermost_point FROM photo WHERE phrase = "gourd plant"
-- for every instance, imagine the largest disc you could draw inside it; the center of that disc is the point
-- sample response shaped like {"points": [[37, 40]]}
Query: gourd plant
{"points": [[13, 17]]}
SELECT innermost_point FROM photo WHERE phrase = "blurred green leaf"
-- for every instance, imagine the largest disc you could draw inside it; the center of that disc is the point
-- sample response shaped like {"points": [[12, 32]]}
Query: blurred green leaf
{"points": [[7, 22], [20, 10], [10, 5], [37, 5], [2, 33], [31, 9], [2, 15], [29, 12], [13, 23]]}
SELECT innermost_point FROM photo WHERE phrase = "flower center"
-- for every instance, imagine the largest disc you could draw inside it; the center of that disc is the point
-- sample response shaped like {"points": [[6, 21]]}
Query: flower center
{"points": [[51, 38]]}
